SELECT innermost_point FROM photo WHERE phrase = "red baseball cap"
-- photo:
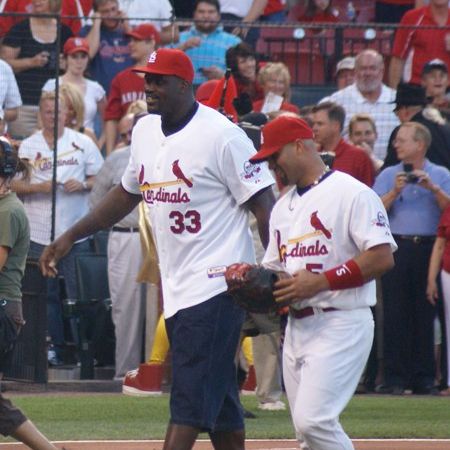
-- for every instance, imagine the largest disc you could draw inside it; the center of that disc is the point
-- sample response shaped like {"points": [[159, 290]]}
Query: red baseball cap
{"points": [[205, 90], [144, 31], [76, 44], [169, 61], [279, 132]]}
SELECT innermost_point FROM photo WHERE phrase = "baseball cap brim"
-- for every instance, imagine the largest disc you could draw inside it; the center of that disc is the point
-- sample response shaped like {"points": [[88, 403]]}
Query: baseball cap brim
{"points": [[264, 153], [144, 69], [135, 35]]}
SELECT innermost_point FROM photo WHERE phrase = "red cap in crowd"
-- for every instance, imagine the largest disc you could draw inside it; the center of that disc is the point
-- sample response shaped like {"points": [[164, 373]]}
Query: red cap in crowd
{"points": [[205, 90], [169, 61], [145, 31], [279, 132], [76, 44]]}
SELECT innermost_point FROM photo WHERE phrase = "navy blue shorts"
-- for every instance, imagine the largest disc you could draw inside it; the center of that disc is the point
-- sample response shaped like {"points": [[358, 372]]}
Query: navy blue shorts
{"points": [[204, 339]]}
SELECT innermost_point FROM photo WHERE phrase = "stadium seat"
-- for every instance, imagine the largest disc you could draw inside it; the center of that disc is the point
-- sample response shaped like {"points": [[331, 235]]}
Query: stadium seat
{"points": [[90, 307], [356, 40], [304, 51]]}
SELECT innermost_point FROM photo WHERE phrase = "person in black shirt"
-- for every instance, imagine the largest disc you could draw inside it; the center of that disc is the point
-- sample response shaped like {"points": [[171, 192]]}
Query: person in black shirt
{"points": [[30, 49]]}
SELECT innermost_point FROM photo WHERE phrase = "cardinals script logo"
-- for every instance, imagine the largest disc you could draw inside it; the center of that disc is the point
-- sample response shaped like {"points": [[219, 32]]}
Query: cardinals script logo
{"points": [[160, 192], [317, 224]]}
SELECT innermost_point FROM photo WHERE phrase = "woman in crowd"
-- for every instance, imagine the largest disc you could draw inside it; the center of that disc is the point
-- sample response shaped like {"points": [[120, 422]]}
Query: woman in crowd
{"points": [[275, 80], [76, 54], [30, 49], [14, 243], [242, 61], [320, 11], [75, 112], [440, 265]]}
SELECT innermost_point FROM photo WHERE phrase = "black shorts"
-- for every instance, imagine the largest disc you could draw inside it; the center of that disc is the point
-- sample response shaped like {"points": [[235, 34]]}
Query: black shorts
{"points": [[11, 317], [204, 339]]}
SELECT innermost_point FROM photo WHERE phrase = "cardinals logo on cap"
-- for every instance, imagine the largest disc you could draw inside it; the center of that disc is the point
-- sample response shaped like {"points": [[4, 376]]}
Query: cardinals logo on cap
{"points": [[318, 225], [152, 58], [78, 42]]}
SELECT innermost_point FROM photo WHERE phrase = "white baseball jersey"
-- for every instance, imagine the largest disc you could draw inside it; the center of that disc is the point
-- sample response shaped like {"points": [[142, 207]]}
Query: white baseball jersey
{"points": [[195, 182], [78, 157], [9, 91], [325, 227]]}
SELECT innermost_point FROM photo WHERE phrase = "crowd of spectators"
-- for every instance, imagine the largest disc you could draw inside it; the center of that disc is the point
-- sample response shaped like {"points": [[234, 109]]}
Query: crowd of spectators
{"points": [[363, 127]]}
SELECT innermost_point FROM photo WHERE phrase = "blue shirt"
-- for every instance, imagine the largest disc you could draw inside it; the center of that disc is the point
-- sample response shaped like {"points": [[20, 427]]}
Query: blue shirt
{"points": [[211, 51], [112, 57], [415, 211]]}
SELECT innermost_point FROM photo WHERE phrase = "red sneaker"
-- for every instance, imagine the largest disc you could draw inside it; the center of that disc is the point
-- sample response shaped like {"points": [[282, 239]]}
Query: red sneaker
{"points": [[144, 381], [249, 385]]}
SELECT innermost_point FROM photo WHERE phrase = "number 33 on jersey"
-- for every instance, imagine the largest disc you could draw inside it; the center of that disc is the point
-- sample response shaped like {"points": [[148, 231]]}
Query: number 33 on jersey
{"points": [[195, 183]]}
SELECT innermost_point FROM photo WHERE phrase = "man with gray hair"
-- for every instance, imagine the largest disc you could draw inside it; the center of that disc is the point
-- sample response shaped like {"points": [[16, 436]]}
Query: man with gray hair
{"points": [[369, 95]]}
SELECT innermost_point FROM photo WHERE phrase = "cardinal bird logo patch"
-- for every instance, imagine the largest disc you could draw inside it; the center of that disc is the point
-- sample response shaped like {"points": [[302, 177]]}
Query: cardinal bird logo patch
{"points": [[317, 224], [179, 173]]}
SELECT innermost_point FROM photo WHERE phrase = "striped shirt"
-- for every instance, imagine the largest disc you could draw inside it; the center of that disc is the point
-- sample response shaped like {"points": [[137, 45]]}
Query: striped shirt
{"points": [[210, 52], [382, 112]]}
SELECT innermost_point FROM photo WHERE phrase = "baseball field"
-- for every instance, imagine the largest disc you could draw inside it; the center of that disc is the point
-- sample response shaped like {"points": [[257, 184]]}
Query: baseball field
{"points": [[115, 422]]}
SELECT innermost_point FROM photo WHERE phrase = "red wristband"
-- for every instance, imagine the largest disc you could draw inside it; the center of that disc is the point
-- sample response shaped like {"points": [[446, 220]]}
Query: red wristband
{"points": [[345, 276]]}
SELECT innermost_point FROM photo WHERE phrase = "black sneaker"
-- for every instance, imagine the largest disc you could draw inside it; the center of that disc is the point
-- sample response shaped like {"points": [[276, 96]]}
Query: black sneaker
{"points": [[426, 390], [389, 389]]}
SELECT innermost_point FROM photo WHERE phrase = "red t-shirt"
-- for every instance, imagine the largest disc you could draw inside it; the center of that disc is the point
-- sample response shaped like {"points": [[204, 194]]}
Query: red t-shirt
{"points": [[398, 2], [254, 90], [273, 6], [417, 46], [13, 6], [285, 106], [444, 232], [320, 17], [354, 161], [69, 8], [126, 87]]}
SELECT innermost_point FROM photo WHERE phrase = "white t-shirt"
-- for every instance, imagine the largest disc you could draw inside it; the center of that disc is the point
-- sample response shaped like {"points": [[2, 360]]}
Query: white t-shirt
{"points": [[78, 157], [195, 182], [157, 12], [9, 91], [237, 7], [324, 228], [94, 93], [382, 112]]}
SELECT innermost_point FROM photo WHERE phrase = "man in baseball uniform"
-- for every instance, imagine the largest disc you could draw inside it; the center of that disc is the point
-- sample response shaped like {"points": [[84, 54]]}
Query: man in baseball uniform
{"points": [[191, 166], [331, 234], [78, 161]]}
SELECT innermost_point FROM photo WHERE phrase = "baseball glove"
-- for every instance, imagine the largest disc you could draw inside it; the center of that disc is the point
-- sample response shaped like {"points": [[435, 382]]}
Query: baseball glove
{"points": [[252, 287]]}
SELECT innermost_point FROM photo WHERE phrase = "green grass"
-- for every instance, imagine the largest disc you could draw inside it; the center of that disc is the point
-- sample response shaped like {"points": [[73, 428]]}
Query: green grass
{"points": [[114, 416]]}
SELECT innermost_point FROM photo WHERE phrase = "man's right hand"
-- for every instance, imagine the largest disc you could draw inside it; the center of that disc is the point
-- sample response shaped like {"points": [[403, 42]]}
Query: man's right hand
{"points": [[400, 182], [190, 43], [53, 253]]}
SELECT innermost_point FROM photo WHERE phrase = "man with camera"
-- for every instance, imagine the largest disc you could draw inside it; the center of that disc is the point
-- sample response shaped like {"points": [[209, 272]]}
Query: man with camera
{"points": [[414, 193]]}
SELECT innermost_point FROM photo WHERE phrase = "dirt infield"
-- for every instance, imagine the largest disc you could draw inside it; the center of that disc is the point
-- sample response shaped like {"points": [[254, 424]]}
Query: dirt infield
{"points": [[360, 444]]}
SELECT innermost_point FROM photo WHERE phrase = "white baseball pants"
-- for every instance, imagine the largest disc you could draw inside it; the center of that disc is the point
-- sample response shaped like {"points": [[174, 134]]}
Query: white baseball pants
{"points": [[324, 356], [127, 297], [445, 280]]}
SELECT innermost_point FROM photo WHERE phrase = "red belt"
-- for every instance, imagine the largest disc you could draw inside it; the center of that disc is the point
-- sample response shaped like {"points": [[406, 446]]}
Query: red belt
{"points": [[309, 311]]}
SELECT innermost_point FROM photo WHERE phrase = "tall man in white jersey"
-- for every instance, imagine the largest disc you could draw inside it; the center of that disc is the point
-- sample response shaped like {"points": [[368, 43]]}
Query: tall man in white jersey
{"points": [[191, 166], [331, 234]]}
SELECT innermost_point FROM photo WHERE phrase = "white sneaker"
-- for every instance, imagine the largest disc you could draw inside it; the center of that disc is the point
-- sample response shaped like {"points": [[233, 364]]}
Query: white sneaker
{"points": [[272, 406]]}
